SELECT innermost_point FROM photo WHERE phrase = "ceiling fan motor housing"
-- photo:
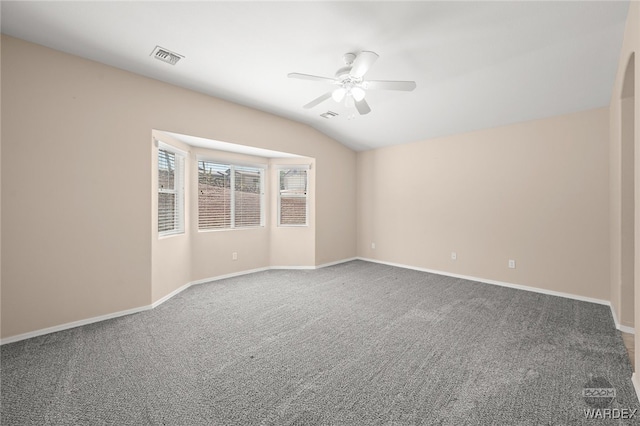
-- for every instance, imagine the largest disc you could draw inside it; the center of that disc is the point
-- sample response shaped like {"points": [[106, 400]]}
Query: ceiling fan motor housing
{"points": [[349, 58]]}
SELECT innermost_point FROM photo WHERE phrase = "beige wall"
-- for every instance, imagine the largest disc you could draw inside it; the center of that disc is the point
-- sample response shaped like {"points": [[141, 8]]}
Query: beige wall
{"points": [[536, 192], [293, 246], [335, 213], [171, 255], [619, 293], [72, 150], [0, 188], [622, 163], [627, 248], [76, 142]]}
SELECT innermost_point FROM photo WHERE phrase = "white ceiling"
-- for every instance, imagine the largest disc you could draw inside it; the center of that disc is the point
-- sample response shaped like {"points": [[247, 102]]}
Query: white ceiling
{"points": [[477, 64]]}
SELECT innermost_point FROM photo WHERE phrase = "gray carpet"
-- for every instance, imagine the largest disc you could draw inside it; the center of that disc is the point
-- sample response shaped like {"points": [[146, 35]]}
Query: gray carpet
{"points": [[353, 344]]}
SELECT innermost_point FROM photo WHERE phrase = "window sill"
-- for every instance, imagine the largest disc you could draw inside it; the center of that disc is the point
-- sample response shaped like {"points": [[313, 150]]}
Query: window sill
{"points": [[253, 228], [173, 234]]}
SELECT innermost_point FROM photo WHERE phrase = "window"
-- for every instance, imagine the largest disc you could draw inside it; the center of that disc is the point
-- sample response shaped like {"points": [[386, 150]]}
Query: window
{"points": [[170, 191], [292, 197], [229, 196]]}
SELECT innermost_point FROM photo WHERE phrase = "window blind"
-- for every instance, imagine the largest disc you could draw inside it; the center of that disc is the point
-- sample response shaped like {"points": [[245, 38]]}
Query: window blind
{"points": [[170, 192], [214, 195], [293, 197], [229, 196], [248, 187]]}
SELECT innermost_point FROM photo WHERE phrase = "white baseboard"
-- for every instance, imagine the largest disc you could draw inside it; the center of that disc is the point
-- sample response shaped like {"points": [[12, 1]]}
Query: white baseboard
{"points": [[155, 304], [622, 328], [494, 282], [304, 268], [337, 262], [625, 328], [225, 276], [324, 265], [636, 385], [170, 295], [73, 324]]}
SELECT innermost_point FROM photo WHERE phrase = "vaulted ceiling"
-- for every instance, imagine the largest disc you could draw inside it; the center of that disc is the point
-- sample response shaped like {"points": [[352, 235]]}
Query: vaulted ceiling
{"points": [[476, 64]]}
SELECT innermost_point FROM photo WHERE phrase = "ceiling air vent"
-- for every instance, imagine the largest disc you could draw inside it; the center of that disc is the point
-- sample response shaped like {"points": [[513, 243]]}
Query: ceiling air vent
{"points": [[329, 114], [165, 55]]}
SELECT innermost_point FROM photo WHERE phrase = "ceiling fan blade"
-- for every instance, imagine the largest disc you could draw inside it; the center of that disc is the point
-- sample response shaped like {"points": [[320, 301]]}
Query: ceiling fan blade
{"points": [[362, 63], [390, 85], [310, 77], [363, 107], [318, 100]]}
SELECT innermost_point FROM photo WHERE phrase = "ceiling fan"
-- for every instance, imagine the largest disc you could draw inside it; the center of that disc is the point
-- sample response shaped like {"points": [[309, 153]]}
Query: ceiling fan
{"points": [[352, 87]]}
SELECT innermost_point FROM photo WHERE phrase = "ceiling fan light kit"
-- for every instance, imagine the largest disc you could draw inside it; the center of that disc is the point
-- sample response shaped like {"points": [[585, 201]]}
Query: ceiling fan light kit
{"points": [[352, 88], [338, 94], [349, 102], [358, 93]]}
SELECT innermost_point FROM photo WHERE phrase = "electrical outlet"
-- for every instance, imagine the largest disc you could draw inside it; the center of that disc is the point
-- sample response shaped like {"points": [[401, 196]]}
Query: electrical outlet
{"points": [[234, 255], [373, 246], [512, 264], [454, 255]]}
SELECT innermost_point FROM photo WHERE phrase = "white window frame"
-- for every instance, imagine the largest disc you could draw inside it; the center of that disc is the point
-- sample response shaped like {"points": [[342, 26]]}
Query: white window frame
{"points": [[178, 190], [306, 195], [232, 198]]}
